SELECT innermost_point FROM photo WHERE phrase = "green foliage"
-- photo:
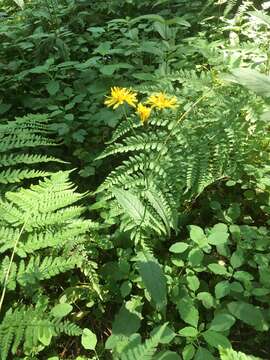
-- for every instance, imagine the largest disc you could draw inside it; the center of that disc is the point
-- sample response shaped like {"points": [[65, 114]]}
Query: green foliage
{"points": [[42, 235], [229, 354], [34, 328], [31, 131], [163, 251]]}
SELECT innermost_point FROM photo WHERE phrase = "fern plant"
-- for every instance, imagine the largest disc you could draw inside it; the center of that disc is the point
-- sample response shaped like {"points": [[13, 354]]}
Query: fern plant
{"points": [[42, 235], [17, 138], [230, 354], [178, 154]]}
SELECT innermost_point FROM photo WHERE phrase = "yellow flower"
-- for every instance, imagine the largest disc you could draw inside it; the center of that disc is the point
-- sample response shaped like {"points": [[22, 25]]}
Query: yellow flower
{"points": [[143, 112], [119, 96], [161, 101]]}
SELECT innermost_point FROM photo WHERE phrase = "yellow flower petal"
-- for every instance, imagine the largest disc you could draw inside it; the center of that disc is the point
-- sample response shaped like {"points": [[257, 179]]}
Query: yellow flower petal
{"points": [[119, 96], [162, 101], [143, 112]]}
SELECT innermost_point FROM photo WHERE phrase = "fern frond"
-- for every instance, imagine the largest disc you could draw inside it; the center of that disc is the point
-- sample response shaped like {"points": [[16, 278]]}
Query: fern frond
{"points": [[13, 159], [144, 351], [30, 131], [178, 155], [14, 176], [25, 326]]}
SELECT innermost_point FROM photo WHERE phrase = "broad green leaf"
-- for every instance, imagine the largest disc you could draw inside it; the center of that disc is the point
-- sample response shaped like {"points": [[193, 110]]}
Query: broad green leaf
{"points": [[218, 238], [237, 259], [40, 69], [260, 291], [61, 310], [154, 281], [127, 321], [222, 322], [236, 287], [195, 257], [193, 282], [216, 339], [219, 234], [197, 235], [103, 48], [188, 352], [188, 331], [253, 80], [89, 339], [248, 313], [264, 272], [206, 298], [125, 288], [217, 269], [188, 312], [178, 247], [53, 87], [243, 276], [203, 354], [222, 289]]}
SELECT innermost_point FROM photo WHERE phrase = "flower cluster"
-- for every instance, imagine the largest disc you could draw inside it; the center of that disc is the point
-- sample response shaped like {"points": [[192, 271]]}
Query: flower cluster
{"points": [[119, 96], [158, 101]]}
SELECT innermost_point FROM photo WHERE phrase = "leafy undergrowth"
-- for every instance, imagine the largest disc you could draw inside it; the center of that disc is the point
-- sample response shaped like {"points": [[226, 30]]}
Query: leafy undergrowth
{"points": [[134, 172]]}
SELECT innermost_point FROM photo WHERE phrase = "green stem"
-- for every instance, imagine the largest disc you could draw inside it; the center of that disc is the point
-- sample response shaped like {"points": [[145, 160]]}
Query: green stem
{"points": [[10, 264]]}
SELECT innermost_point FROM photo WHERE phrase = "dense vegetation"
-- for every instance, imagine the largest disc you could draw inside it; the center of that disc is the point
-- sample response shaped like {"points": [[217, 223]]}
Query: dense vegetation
{"points": [[134, 172]]}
